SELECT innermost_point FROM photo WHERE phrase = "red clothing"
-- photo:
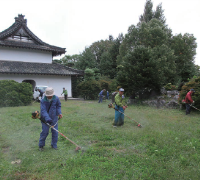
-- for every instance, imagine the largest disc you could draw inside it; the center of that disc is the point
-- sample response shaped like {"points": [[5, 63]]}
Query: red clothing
{"points": [[188, 98]]}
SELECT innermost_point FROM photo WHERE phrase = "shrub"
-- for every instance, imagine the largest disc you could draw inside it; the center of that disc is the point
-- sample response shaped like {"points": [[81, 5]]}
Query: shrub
{"points": [[13, 93], [192, 84], [170, 87], [96, 73], [104, 84], [113, 85], [89, 74], [75, 82], [89, 89]]}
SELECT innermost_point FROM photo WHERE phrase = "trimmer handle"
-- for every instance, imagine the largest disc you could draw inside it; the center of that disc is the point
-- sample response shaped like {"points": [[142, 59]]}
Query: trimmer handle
{"points": [[42, 120]]}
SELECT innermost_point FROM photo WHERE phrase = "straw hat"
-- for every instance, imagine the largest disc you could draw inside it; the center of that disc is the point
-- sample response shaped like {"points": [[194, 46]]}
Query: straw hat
{"points": [[49, 91]]}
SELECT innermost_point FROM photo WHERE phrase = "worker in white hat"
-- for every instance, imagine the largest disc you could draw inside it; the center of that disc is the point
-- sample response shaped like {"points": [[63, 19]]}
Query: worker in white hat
{"points": [[50, 108]]}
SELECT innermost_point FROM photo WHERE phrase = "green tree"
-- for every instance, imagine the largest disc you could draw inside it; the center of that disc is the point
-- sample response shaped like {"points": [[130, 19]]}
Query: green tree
{"points": [[99, 47], [184, 47], [152, 56], [197, 70], [114, 52], [105, 64], [146, 61], [89, 88], [159, 14], [73, 60], [150, 34], [14, 93], [75, 81], [89, 74], [59, 61], [146, 68], [96, 73], [65, 60], [68, 60], [149, 14], [86, 60]]}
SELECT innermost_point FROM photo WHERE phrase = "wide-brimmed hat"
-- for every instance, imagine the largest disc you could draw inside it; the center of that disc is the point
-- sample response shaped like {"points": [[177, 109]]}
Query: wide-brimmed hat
{"points": [[192, 90], [49, 91], [121, 89]]}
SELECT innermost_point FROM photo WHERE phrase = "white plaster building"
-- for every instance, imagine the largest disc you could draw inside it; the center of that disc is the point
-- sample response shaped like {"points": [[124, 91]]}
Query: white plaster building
{"points": [[26, 58]]}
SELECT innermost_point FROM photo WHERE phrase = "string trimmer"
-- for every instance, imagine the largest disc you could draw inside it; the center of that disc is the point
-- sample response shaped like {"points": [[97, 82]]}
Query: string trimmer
{"points": [[183, 101], [194, 107], [112, 106], [36, 114]]}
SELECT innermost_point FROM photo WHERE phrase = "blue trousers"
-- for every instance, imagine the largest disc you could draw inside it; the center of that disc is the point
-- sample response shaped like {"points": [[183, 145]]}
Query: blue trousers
{"points": [[44, 134], [100, 99], [188, 108], [119, 117]]}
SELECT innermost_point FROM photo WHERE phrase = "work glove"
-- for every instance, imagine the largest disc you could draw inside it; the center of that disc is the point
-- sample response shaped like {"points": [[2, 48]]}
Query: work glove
{"points": [[49, 121], [193, 102], [60, 116]]}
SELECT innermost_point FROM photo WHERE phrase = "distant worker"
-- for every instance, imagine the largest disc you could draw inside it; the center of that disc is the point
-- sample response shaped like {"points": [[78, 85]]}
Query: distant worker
{"points": [[65, 93], [121, 106], [189, 101], [107, 97], [101, 96], [41, 93]]}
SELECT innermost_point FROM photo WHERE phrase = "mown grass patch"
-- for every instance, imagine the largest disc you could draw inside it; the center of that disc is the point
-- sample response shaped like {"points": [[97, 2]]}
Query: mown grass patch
{"points": [[166, 147]]}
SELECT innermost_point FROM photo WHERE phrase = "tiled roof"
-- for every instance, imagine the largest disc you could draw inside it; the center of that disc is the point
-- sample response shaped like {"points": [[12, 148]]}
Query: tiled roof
{"points": [[20, 29], [15, 67]]}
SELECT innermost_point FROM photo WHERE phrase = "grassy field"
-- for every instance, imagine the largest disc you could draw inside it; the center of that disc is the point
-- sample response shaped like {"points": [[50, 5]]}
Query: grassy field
{"points": [[166, 147]]}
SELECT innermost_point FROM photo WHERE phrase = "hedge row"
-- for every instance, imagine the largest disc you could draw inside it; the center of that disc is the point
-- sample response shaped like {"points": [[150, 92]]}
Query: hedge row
{"points": [[13, 93]]}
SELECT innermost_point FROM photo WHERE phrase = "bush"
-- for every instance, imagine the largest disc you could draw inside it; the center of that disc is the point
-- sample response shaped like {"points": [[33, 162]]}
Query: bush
{"points": [[89, 89], [113, 85], [75, 82], [104, 84], [192, 84], [13, 93], [170, 87], [89, 74]]}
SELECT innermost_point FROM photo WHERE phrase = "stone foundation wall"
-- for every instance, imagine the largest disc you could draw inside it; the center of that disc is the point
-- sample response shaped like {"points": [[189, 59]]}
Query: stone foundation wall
{"points": [[168, 100]]}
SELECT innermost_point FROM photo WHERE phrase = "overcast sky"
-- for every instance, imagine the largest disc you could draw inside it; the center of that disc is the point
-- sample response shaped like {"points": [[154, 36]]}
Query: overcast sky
{"points": [[76, 24]]}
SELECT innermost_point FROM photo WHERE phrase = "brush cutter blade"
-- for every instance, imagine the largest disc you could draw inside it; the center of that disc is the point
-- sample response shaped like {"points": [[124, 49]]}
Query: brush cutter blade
{"points": [[78, 148], [110, 105], [139, 125], [35, 114]]}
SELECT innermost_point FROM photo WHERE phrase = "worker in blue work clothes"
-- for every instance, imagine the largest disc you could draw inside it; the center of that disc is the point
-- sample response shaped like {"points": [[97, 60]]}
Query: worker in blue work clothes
{"points": [[41, 93], [50, 108], [107, 97], [101, 96]]}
